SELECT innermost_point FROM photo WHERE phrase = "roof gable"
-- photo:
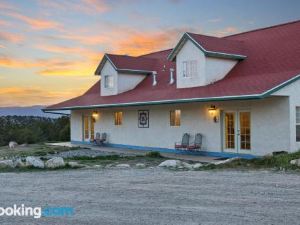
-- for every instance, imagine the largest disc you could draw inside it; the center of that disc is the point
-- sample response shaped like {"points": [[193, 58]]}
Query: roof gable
{"points": [[128, 64], [211, 46]]}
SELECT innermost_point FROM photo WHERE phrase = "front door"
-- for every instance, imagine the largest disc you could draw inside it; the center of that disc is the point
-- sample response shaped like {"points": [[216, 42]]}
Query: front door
{"points": [[237, 131], [88, 128]]}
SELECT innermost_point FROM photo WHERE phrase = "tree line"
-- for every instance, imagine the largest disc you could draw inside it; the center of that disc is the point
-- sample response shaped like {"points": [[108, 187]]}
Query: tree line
{"points": [[33, 129]]}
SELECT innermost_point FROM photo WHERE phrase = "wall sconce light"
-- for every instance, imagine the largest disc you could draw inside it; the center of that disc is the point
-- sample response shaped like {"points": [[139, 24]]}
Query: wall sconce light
{"points": [[213, 112], [95, 115]]}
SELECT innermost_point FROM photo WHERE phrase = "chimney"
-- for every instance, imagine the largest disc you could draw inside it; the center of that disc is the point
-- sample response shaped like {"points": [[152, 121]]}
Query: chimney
{"points": [[154, 73], [172, 76]]}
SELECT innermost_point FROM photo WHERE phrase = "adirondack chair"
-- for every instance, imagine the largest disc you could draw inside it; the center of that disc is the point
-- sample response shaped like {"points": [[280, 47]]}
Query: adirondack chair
{"points": [[197, 144], [184, 142], [103, 138]]}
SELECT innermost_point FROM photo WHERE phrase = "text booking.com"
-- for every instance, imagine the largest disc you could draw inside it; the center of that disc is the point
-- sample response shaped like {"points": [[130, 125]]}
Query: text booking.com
{"points": [[36, 212]]}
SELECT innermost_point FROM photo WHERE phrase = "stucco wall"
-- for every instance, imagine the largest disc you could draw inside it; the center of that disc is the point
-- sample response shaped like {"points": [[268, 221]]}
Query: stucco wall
{"points": [[216, 68], [208, 69], [108, 69], [293, 91], [270, 129], [128, 82], [122, 82]]}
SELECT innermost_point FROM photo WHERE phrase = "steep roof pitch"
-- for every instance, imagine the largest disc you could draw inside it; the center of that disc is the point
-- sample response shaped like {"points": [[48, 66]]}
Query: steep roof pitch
{"points": [[128, 64], [212, 46], [273, 61]]}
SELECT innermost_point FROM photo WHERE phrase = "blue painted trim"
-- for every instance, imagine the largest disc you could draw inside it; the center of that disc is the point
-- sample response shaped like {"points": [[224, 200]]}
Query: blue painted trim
{"points": [[176, 151]]}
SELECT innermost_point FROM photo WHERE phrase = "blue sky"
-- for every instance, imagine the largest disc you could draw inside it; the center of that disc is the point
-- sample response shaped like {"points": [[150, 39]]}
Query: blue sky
{"points": [[50, 49]]}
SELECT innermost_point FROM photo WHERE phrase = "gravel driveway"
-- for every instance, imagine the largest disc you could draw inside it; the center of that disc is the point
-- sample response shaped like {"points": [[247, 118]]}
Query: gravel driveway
{"points": [[155, 196]]}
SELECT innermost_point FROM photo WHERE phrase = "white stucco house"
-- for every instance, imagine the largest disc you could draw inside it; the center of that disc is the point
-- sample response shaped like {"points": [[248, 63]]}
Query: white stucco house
{"points": [[241, 92]]}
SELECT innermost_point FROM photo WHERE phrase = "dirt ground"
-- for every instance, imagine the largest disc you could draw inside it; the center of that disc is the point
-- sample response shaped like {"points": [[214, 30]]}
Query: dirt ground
{"points": [[155, 196]]}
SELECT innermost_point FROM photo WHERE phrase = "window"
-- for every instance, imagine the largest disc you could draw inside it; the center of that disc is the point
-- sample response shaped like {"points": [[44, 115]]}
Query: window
{"points": [[189, 68], [118, 118], [175, 117], [108, 81], [86, 127], [298, 124]]}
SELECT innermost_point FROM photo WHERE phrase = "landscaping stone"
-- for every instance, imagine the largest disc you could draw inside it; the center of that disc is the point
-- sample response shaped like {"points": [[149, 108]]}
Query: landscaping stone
{"points": [[97, 166], [18, 163], [7, 164], [75, 165], [12, 144], [225, 161], [55, 162], [187, 165], [295, 162], [197, 166], [140, 165], [171, 163], [123, 166], [35, 162]]}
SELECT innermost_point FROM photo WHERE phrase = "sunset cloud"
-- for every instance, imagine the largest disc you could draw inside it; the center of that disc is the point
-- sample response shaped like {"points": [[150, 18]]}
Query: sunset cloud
{"points": [[226, 31], [11, 37], [25, 96], [35, 23]]}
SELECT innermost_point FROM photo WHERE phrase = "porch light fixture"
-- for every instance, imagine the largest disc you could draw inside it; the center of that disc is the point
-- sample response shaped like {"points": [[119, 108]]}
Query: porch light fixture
{"points": [[95, 115], [213, 112]]}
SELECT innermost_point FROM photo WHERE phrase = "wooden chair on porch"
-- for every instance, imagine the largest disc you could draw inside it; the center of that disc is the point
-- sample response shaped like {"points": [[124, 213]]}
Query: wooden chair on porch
{"points": [[100, 139]]}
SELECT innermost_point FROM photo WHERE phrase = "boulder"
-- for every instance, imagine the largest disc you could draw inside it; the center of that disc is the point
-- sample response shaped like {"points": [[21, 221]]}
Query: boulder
{"points": [[171, 163], [55, 162], [186, 165], [197, 166], [75, 165], [7, 164], [295, 162], [34, 162], [123, 166], [18, 163], [225, 161], [12, 144], [140, 165]]}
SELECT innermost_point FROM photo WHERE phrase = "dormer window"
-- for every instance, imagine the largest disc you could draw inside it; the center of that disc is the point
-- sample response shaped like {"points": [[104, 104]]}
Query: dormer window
{"points": [[108, 81], [189, 68]]}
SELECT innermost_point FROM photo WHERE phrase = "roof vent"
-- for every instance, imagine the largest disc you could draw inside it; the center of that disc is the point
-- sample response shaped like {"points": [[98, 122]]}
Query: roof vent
{"points": [[154, 74], [172, 76]]}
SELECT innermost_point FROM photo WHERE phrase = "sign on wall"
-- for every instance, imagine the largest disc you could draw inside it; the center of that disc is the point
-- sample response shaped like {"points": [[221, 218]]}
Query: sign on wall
{"points": [[143, 117]]}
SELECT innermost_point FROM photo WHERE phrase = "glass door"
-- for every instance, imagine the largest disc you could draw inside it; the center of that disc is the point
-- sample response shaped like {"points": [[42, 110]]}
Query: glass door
{"points": [[237, 131], [244, 131], [230, 131], [88, 128]]}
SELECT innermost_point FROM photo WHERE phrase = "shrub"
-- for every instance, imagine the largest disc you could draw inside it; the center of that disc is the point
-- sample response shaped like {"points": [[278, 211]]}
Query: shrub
{"points": [[154, 154]]}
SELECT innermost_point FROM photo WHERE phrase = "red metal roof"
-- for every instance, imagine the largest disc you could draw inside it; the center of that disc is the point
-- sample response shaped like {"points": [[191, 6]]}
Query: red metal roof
{"points": [[273, 58]]}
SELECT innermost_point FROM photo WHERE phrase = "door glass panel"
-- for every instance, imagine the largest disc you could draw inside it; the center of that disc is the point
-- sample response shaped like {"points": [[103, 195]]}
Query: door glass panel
{"points": [[245, 131], [92, 128], [86, 127], [229, 130]]}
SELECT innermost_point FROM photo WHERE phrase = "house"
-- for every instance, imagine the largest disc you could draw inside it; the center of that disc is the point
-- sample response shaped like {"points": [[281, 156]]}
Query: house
{"points": [[241, 92]]}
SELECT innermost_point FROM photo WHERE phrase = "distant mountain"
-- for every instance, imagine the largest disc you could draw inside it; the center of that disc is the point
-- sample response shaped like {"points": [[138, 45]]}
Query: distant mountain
{"points": [[28, 111]]}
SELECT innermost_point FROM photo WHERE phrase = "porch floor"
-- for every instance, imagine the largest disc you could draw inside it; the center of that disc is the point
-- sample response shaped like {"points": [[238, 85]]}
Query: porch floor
{"points": [[130, 152]]}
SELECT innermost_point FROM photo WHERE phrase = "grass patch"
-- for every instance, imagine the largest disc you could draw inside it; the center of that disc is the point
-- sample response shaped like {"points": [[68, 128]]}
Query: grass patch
{"points": [[153, 154], [33, 150], [278, 162]]}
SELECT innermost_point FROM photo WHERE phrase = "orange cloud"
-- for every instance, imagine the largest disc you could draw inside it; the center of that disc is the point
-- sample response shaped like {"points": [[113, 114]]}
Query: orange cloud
{"points": [[9, 62], [10, 37], [77, 51], [226, 31], [12, 96], [38, 24]]}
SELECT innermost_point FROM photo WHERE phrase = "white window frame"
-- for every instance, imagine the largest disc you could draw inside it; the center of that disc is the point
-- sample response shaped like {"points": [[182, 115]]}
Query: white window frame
{"points": [[297, 120], [108, 81], [189, 68]]}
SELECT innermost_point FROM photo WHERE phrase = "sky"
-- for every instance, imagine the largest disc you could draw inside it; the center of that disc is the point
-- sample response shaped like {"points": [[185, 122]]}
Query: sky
{"points": [[49, 50]]}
